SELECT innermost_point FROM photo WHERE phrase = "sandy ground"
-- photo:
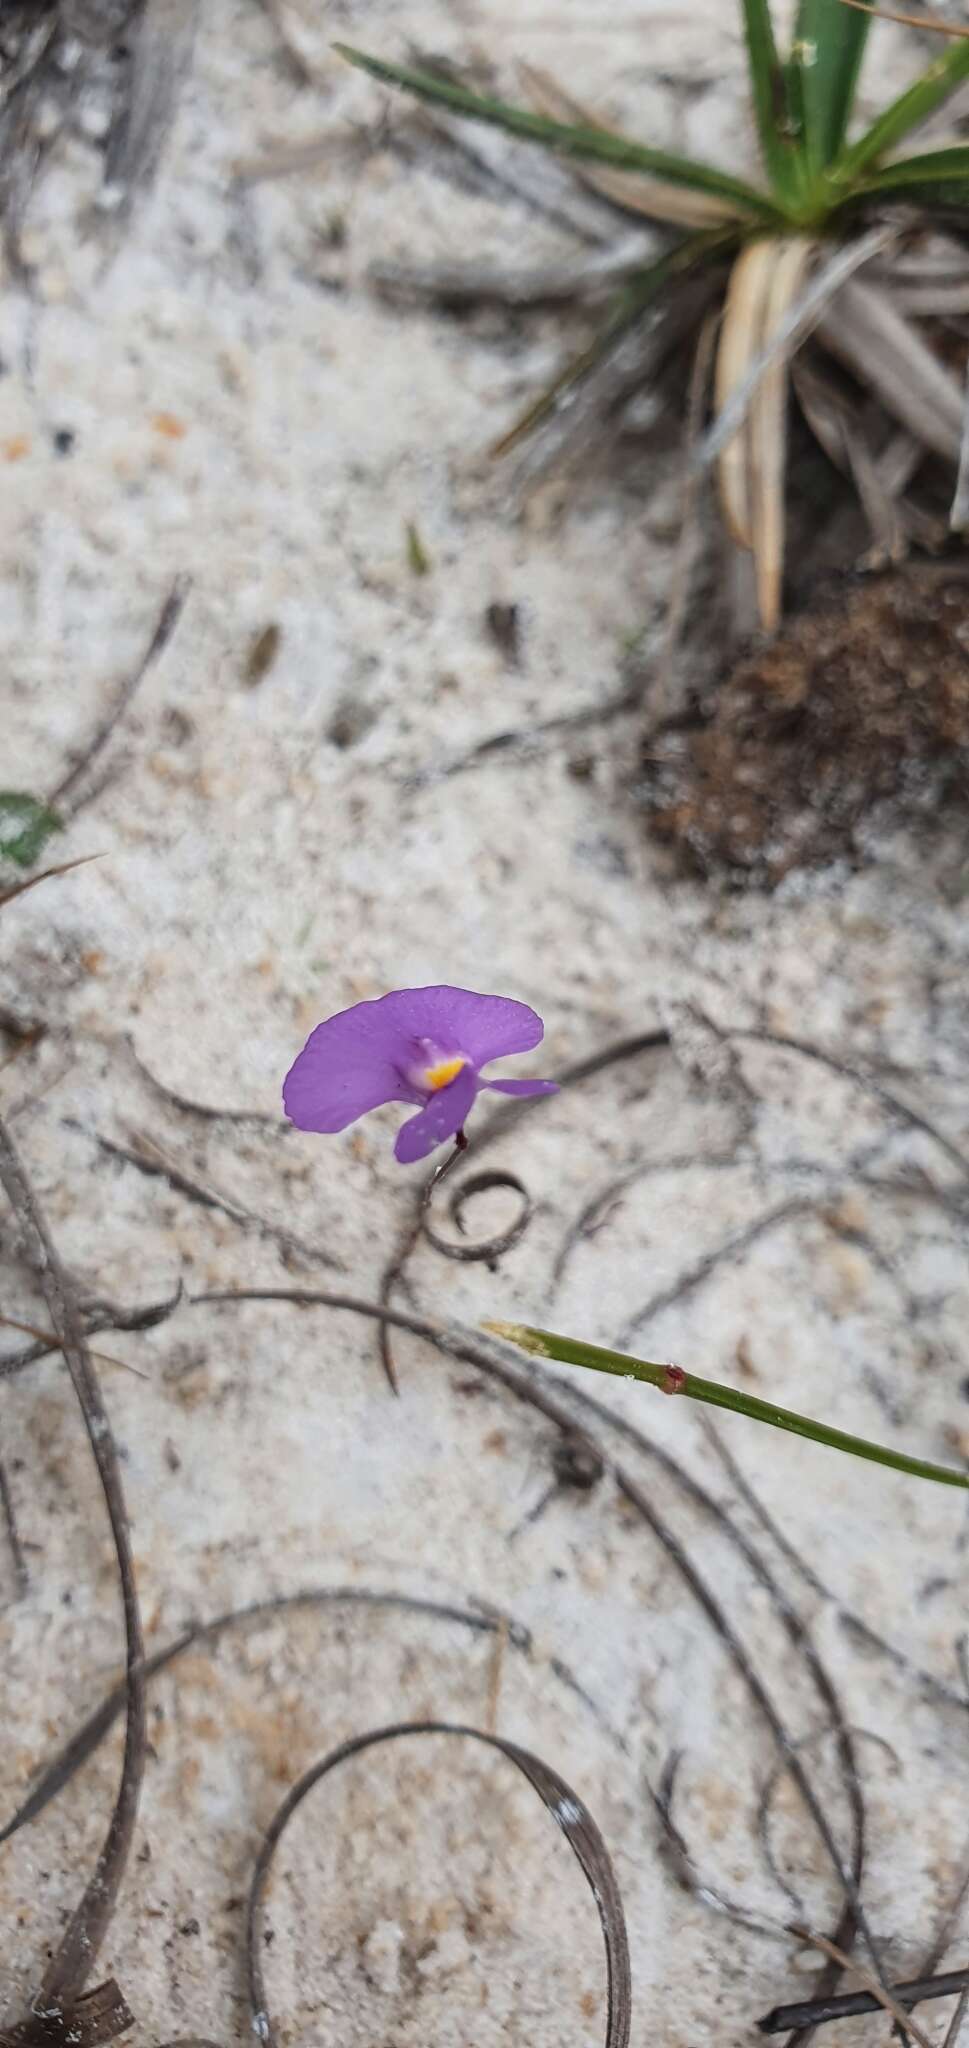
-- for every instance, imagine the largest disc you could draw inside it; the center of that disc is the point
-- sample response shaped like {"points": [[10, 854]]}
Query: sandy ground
{"points": [[245, 410]]}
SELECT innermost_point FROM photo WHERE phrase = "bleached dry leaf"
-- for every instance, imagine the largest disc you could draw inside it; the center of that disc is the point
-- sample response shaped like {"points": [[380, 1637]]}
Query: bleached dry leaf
{"points": [[866, 332], [792, 258], [740, 340]]}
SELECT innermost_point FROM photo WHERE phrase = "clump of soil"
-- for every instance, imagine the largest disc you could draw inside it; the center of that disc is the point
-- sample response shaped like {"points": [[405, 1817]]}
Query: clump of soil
{"points": [[863, 697]]}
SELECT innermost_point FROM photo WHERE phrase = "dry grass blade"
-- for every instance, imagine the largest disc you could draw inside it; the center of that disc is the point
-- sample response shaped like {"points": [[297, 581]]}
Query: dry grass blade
{"points": [[558, 1798], [959, 514], [63, 867], [878, 480], [530, 174], [165, 625], [865, 331], [635, 192], [817, 2012], [161, 55], [740, 340], [928, 21], [572, 418], [902, 2019], [590, 277], [768, 430]]}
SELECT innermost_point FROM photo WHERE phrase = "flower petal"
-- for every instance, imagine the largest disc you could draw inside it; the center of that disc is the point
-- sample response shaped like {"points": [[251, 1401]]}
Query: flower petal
{"points": [[522, 1087], [439, 1120], [459, 1020], [345, 1068]]}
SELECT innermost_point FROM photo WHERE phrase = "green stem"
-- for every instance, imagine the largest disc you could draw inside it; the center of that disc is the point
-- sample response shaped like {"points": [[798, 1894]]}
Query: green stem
{"points": [[671, 1379]]}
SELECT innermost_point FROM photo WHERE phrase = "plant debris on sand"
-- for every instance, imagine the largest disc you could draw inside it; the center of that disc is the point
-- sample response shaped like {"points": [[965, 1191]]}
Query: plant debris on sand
{"points": [[864, 697]]}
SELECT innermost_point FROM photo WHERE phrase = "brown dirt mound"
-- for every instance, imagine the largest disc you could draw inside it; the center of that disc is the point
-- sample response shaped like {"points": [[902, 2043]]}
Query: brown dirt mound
{"points": [[864, 697]]}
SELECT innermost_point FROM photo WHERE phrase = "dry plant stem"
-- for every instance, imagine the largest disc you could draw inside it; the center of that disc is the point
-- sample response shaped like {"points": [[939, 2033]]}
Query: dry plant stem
{"points": [[63, 868], [902, 2019], [21, 1579], [61, 797], [51, 1342], [76, 1954], [958, 2017], [929, 21], [86, 1739]]}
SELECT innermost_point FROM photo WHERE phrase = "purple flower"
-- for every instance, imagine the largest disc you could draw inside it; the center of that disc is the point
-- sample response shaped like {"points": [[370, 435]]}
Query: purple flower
{"points": [[422, 1045]]}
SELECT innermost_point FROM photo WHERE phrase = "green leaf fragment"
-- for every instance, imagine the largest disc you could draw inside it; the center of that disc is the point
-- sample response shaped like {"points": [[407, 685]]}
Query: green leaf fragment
{"points": [[670, 1379], [829, 44], [908, 111], [25, 827], [940, 175], [777, 113], [418, 560]]}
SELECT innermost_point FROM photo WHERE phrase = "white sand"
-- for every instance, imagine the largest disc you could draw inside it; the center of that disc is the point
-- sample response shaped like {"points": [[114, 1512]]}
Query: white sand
{"points": [[244, 408]]}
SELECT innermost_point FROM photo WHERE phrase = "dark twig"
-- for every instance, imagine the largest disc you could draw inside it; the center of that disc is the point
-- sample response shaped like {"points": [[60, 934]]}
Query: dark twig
{"points": [[573, 1817], [528, 739], [866, 1081], [61, 796], [76, 1953], [149, 1158], [816, 2012], [190, 1107], [86, 1739], [541, 1392], [20, 1573], [851, 1622], [730, 1247], [489, 1129]]}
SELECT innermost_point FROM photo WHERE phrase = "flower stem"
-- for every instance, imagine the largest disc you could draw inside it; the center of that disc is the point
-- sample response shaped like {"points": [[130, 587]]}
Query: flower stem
{"points": [[671, 1379]]}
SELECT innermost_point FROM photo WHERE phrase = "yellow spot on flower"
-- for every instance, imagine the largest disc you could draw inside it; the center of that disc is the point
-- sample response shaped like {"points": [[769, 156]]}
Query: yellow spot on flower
{"points": [[444, 1071]]}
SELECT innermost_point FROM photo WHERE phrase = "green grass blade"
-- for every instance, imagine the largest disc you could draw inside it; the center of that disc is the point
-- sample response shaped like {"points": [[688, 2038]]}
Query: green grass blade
{"points": [[829, 44], [672, 1380], [778, 126], [595, 145], [940, 175], [929, 92]]}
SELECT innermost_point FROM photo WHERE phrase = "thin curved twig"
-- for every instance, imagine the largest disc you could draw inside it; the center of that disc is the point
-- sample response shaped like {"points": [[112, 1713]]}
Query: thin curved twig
{"points": [[74, 1957], [572, 1815]]}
